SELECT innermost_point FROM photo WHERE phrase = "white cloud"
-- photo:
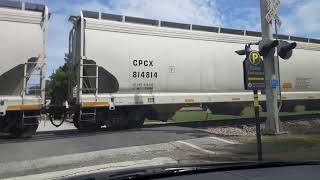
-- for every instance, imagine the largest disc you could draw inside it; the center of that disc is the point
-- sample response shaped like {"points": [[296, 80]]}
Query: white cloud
{"points": [[309, 16], [244, 18], [186, 11], [303, 19], [290, 2]]}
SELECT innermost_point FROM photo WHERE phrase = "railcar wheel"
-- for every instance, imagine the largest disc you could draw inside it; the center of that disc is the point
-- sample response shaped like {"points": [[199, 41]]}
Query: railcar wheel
{"points": [[287, 107], [88, 126], [85, 126], [28, 131], [136, 119], [76, 120], [25, 131], [4, 125], [312, 106], [165, 117]]}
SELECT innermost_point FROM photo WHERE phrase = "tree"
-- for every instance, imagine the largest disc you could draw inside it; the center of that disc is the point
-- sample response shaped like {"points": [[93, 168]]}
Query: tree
{"points": [[60, 83]]}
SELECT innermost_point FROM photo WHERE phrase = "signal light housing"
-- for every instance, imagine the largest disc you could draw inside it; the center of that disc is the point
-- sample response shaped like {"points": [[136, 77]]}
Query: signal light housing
{"points": [[246, 51], [267, 46], [241, 52], [285, 49]]}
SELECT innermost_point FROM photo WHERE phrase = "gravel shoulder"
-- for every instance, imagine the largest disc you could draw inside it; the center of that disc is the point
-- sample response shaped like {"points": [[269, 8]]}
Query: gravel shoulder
{"points": [[291, 127]]}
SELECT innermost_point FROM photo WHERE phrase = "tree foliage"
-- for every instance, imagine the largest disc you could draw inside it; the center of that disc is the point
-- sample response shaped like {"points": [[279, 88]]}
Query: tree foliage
{"points": [[60, 83]]}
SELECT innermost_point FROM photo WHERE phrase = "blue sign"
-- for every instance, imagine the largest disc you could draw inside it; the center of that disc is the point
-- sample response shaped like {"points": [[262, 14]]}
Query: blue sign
{"points": [[274, 83]]}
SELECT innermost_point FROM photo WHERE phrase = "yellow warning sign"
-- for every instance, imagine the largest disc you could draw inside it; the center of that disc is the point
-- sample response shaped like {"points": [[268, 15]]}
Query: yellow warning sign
{"points": [[256, 78], [255, 58]]}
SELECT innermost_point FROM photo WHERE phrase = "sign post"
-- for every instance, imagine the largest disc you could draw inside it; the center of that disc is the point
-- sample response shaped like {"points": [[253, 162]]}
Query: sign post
{"points": [[254, 80], [257, 117]]}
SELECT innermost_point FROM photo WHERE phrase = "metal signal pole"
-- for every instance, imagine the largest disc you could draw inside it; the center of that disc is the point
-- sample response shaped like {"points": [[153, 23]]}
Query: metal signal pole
{"points": [[272, 123]]}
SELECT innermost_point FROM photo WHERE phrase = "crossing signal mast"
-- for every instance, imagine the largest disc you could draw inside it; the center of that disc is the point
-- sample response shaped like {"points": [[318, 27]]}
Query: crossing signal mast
{"points": [[267, 47], [260, 74]]}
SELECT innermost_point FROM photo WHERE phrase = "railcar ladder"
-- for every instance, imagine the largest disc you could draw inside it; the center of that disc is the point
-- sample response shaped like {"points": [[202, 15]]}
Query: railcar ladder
{"points": [[37, 87], [89, 114], [96, 77]]}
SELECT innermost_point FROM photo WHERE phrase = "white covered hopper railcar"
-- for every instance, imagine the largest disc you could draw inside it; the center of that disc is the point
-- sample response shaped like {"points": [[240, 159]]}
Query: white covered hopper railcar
{"points": [[23, 37], [147, 68]]}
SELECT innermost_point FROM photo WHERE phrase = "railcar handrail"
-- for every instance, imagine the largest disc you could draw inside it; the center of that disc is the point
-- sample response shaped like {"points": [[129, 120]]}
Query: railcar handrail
{"points": [[22, 5]]}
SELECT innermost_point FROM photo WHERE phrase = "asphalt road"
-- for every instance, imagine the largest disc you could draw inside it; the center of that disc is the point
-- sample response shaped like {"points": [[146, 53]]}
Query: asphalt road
{"points": [[61, 145], [64, 154]]}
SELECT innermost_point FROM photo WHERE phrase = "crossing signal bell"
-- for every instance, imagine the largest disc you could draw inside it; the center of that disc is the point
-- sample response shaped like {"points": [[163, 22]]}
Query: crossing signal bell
{"points": [[267, 46], [285, 49], [246, 51]]}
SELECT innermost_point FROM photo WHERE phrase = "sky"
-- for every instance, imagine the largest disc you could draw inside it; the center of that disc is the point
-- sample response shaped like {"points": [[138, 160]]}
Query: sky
{"points": [[299, 17]]}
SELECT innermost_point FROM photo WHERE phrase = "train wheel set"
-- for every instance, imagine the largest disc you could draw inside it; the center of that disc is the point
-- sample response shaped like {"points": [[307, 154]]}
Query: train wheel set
{"points": [[95, 118], [20, 124]]}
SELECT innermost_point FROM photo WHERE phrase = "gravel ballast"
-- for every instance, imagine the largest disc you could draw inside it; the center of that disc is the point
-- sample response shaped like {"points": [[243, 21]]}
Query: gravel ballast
{"points": [[296, 126]]}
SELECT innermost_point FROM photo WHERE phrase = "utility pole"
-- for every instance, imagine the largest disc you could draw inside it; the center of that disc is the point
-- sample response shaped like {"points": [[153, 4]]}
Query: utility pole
{"points": [[272, 123]]}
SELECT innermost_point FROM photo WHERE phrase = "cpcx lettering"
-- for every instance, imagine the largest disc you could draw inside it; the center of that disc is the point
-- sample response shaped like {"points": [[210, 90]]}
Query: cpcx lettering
{"points": [[146, 63]]}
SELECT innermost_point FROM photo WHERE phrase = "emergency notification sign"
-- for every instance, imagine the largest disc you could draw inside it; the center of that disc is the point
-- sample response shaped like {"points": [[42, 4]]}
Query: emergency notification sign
{"points": [[253, 69]]}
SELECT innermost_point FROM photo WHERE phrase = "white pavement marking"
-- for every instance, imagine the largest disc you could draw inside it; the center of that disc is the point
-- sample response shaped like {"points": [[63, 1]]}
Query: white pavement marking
{"points": [[197, 147], [223, 140], [99, 168]]}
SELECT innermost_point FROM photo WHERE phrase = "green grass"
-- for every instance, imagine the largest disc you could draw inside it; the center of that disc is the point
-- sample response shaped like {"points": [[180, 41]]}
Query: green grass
{"points": [[283, 147], [287, 143], [187, 116]]}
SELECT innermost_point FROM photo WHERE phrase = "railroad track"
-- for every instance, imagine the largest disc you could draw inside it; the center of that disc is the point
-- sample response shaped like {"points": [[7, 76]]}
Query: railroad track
{"points": [[234, 122], [59, 134]]}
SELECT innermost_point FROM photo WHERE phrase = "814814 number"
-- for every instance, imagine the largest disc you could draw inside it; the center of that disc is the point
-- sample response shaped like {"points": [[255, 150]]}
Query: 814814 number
{"points": [[137, 74]]}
